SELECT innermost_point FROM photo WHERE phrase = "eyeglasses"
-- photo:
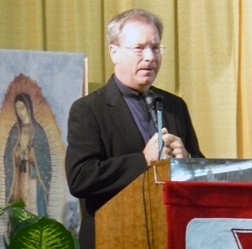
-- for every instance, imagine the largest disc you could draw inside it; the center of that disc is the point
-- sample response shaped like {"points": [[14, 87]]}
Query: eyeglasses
{"points": [[139, 50]]}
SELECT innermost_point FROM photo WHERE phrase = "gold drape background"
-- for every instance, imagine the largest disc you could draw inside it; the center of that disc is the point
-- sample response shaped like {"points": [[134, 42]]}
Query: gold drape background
{"points": [[207, 61]]}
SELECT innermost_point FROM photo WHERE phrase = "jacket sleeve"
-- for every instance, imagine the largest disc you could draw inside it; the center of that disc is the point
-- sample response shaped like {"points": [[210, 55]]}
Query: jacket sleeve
{"points": [[190, 140]]}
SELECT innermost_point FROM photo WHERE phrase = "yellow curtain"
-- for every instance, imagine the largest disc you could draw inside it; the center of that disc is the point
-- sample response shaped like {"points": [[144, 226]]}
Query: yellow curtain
{"points": [[244, 113], [207, 59]]}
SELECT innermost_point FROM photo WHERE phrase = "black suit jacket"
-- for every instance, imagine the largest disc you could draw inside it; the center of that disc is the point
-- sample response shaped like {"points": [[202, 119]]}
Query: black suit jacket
{"points": [[104, 152]]}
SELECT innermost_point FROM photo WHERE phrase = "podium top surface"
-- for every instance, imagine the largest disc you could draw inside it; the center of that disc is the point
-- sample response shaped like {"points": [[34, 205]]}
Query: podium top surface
{"points": [[212, 170]]}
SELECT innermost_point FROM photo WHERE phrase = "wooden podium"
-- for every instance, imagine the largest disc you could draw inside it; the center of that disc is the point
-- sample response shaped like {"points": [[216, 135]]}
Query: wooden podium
{"points": [[136, 217]]}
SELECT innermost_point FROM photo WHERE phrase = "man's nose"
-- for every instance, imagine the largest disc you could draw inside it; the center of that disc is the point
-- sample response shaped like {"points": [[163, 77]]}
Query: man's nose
{"points": [[148, 54]]}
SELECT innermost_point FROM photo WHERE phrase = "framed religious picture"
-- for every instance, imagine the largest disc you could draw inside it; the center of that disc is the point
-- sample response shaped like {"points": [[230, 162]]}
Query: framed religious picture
{"points": [[36, 91]]}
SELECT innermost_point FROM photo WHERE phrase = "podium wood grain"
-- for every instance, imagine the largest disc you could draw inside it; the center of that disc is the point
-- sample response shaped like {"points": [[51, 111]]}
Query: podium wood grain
{"points": [[121, 222]]}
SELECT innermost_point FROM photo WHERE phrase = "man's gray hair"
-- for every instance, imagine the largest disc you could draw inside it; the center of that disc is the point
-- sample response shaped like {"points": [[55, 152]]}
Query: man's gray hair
{"points": [[117, 23]]}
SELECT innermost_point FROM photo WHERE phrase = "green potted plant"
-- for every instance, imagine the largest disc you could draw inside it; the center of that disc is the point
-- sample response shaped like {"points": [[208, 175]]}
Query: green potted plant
{"points": [[27, 230]]}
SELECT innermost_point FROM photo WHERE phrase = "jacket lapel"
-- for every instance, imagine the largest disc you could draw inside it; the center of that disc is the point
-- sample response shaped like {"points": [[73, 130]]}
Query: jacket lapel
{"points": [[122, 116]]}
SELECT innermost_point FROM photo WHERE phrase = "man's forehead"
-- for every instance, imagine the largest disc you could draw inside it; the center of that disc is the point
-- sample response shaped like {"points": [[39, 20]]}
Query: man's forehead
{"points": [[139, 31]]}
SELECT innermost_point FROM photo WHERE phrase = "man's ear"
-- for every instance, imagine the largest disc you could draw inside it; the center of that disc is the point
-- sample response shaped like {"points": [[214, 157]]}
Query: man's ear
{"points": [[113, 51]]}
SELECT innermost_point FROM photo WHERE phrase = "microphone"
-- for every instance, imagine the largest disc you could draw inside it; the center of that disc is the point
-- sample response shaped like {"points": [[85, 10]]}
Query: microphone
{"points": [[155, 108], [153, 103], [150, 103]]}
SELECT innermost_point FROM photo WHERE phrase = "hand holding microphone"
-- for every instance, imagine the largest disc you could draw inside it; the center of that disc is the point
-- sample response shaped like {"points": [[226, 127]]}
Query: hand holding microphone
{"points": [[173, 147]]}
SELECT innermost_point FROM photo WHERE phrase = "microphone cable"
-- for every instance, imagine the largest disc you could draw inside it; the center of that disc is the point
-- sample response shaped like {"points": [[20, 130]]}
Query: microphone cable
{"points": [[145, 210]]}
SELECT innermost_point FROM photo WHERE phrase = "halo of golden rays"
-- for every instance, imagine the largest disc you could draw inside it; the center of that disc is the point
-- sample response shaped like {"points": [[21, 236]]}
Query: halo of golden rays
{"points": [[44, 116]]}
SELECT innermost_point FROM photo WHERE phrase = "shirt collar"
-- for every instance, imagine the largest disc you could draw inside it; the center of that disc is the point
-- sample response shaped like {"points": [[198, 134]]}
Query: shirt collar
{"points": [[127, 91]]}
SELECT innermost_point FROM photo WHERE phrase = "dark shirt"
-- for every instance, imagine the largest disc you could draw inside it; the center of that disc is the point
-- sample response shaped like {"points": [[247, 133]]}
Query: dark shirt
{"points": [[138, 108]]}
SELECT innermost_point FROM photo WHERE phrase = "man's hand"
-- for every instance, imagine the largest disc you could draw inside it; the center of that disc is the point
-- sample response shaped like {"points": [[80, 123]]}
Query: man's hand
{"points": [[172, 147]]}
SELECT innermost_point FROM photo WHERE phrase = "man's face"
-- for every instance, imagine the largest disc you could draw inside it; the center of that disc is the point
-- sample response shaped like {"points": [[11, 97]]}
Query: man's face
{"points": [[134, 68]]}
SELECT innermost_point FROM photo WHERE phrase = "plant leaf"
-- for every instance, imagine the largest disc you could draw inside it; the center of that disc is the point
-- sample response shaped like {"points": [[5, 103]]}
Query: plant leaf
{"points": [[20, 218], [45, 233], [76, 242], [18, 227], [18, 215], [18, 203]]}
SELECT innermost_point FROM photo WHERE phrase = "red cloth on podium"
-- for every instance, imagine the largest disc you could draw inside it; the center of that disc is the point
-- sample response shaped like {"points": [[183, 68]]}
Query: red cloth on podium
{"points": [[204, 215]]}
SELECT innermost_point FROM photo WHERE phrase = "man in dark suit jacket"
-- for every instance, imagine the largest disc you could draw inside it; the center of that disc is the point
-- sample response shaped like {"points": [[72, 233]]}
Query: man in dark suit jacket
{"points": [[111, 136]]}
